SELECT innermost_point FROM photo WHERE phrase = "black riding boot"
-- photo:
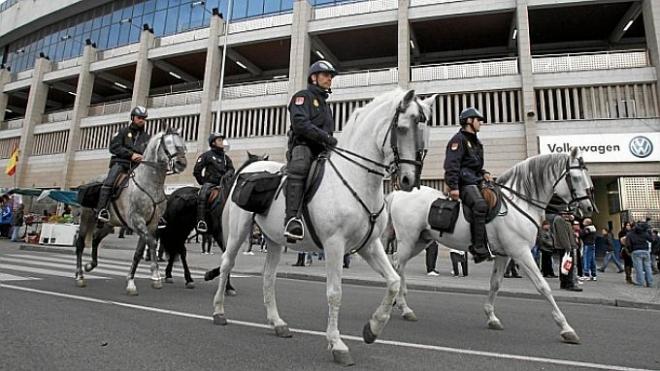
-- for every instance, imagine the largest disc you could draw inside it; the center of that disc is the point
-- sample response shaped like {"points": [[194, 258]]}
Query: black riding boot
{"points": [[104, 196], [201, 213], [294, 230], [479, 248]]}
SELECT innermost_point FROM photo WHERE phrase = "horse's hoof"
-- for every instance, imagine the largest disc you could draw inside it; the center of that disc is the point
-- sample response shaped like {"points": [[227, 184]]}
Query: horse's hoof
{"points": [[190, 285], [410, 316], [81, 283], [219, 319], [570, 337], [169, 280], [495, 325], [89, 267], [131, 292], [231, 292], [343, 357], [283, 331], [367, 335], [156, 284]]}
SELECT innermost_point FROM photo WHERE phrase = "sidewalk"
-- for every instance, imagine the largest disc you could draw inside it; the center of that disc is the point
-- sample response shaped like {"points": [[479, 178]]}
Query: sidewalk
{"points": [[610, 289]]}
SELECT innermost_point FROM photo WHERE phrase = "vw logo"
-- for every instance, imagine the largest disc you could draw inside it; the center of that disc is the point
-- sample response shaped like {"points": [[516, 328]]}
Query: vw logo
{"points": [[641, 147]]}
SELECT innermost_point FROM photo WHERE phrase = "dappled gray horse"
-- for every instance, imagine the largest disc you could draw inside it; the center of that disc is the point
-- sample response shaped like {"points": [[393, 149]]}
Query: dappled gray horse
{"points": [[138, 207], [386, 135], [527, 189]]}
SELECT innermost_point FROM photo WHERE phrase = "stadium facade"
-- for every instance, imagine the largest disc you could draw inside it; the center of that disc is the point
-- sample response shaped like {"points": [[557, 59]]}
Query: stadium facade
{"points": [[548, 75]]}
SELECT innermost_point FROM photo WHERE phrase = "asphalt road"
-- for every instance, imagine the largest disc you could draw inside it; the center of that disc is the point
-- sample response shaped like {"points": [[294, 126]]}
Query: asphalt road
{"points": [[48, 323]]}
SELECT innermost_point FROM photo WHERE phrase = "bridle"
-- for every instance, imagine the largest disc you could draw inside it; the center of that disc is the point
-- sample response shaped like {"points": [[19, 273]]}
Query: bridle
{"points": [[392, 168], [168, 166], [565, 175]]}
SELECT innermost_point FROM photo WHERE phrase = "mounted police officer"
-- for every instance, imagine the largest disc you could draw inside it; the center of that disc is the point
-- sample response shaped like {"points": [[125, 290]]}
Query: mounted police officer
{"points": [[215, 164], [127, 147], [465, 176], [311, 130]]}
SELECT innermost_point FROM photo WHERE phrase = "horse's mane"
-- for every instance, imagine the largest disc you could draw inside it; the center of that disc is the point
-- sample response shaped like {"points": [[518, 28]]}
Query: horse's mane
{"points": [[388, 98], [529, 176], [152, 146]]}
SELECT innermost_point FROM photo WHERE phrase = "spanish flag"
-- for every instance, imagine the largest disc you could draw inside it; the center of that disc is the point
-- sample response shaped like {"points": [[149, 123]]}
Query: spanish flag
{"points": [[13, 161]]}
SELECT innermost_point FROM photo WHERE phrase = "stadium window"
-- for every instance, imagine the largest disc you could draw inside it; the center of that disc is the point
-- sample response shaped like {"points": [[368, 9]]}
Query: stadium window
{"points": [[159, 22], [171, 22], [255, 7], [184, 17], [271, 6], [240, 9]]}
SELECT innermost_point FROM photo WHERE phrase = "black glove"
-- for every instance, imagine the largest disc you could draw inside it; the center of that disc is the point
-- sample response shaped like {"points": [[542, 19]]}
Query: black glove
{"points": [[330, 141]]}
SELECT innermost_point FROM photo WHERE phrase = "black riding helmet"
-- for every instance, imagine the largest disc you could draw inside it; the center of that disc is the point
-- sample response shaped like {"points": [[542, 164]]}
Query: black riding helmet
{"points": [[321, 66], [139, 111], [215, 136], [470, 112]]}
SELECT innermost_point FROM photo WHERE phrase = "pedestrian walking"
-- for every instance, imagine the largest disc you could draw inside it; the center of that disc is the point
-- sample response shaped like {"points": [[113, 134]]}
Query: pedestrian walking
{"points": [[565, 241], [17, 222], [546, 245], [638, 241], [431, 259], [625, 252], [588, 236], [610, 254], [511, 270]]}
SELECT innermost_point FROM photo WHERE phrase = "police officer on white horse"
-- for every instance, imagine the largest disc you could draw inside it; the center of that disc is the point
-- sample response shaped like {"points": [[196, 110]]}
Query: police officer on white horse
{"points": [[127, 147], [465, 176], [311, 130], [215, 164]]}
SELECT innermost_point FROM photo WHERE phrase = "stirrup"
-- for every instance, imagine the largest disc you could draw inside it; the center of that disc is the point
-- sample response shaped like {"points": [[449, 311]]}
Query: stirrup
{"points": [[162, 223], [202, 227], [290, 226], [103, 216]]}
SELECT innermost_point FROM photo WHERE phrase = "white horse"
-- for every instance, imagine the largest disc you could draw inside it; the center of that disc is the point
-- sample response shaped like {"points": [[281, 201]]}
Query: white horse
{"points": [[527, 189], [347, 210]]}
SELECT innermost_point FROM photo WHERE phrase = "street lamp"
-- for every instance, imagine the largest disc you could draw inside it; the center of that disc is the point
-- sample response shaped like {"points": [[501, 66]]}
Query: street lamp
{"points": [[224, 62]]}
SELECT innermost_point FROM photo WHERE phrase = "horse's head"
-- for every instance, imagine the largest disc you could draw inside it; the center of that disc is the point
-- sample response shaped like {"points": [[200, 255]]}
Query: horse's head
{"points": [[172, 151], [408, 140], [577, 189]]}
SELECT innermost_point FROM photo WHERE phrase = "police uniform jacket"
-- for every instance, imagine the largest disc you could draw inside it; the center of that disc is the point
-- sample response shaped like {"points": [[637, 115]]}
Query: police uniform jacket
{"points": [[311, 119], [127, 141], [464, 160], [215, 164]]}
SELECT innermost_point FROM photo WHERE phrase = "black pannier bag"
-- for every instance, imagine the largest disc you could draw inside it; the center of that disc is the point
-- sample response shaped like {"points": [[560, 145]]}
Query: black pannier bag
{"points": [[88, 194], [443, 215], [254, 192]]}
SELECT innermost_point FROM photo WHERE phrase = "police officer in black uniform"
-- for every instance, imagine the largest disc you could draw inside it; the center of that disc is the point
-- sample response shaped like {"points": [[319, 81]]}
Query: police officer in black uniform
{"points": [[465, 176], [127, 147], [215, 164], [311, 130]]}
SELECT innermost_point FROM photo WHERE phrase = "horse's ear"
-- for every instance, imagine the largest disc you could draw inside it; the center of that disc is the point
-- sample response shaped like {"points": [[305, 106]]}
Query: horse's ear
{"points": [[410, 95], [430, 101], [575, 153]]}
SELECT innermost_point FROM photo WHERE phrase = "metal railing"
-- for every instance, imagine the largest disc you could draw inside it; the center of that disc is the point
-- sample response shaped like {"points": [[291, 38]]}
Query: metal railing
{"points": [[7, 4], [590, 61], [252, 89], [465, 70], [358, 7], [11, 124], [260, 22], [57, 116], [175, 99], [366, 78], [109, 108]]}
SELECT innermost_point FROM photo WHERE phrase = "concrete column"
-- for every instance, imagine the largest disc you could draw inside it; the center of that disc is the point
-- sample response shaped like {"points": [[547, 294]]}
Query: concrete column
{"points": [[36, 105], [403, 48], [651, 11], [80, 111], [143, 70], [5, 77], [527, 78], [300, 46], [211, 82]]}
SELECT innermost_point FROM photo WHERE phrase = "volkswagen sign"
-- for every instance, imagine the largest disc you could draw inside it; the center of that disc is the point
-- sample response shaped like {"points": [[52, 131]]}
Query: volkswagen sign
{"points": [[641, 147]]}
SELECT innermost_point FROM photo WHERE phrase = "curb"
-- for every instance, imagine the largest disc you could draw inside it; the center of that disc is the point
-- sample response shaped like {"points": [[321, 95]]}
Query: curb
{"points": [[41, 248]]}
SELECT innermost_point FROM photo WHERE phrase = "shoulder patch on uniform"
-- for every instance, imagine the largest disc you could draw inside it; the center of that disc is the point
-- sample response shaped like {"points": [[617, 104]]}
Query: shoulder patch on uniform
{"points": [[199, 159], [316, 103], [454, 146], [299, 101], [130, 135]]}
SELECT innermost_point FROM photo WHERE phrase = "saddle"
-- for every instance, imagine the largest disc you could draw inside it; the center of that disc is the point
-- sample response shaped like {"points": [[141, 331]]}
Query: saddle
{"points": [[493, 197], [88, 194]]}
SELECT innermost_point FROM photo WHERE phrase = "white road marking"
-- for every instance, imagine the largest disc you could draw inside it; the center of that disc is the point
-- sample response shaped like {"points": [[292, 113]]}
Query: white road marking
{"points": [[515, 357], [10, 277], [21, 268]]}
